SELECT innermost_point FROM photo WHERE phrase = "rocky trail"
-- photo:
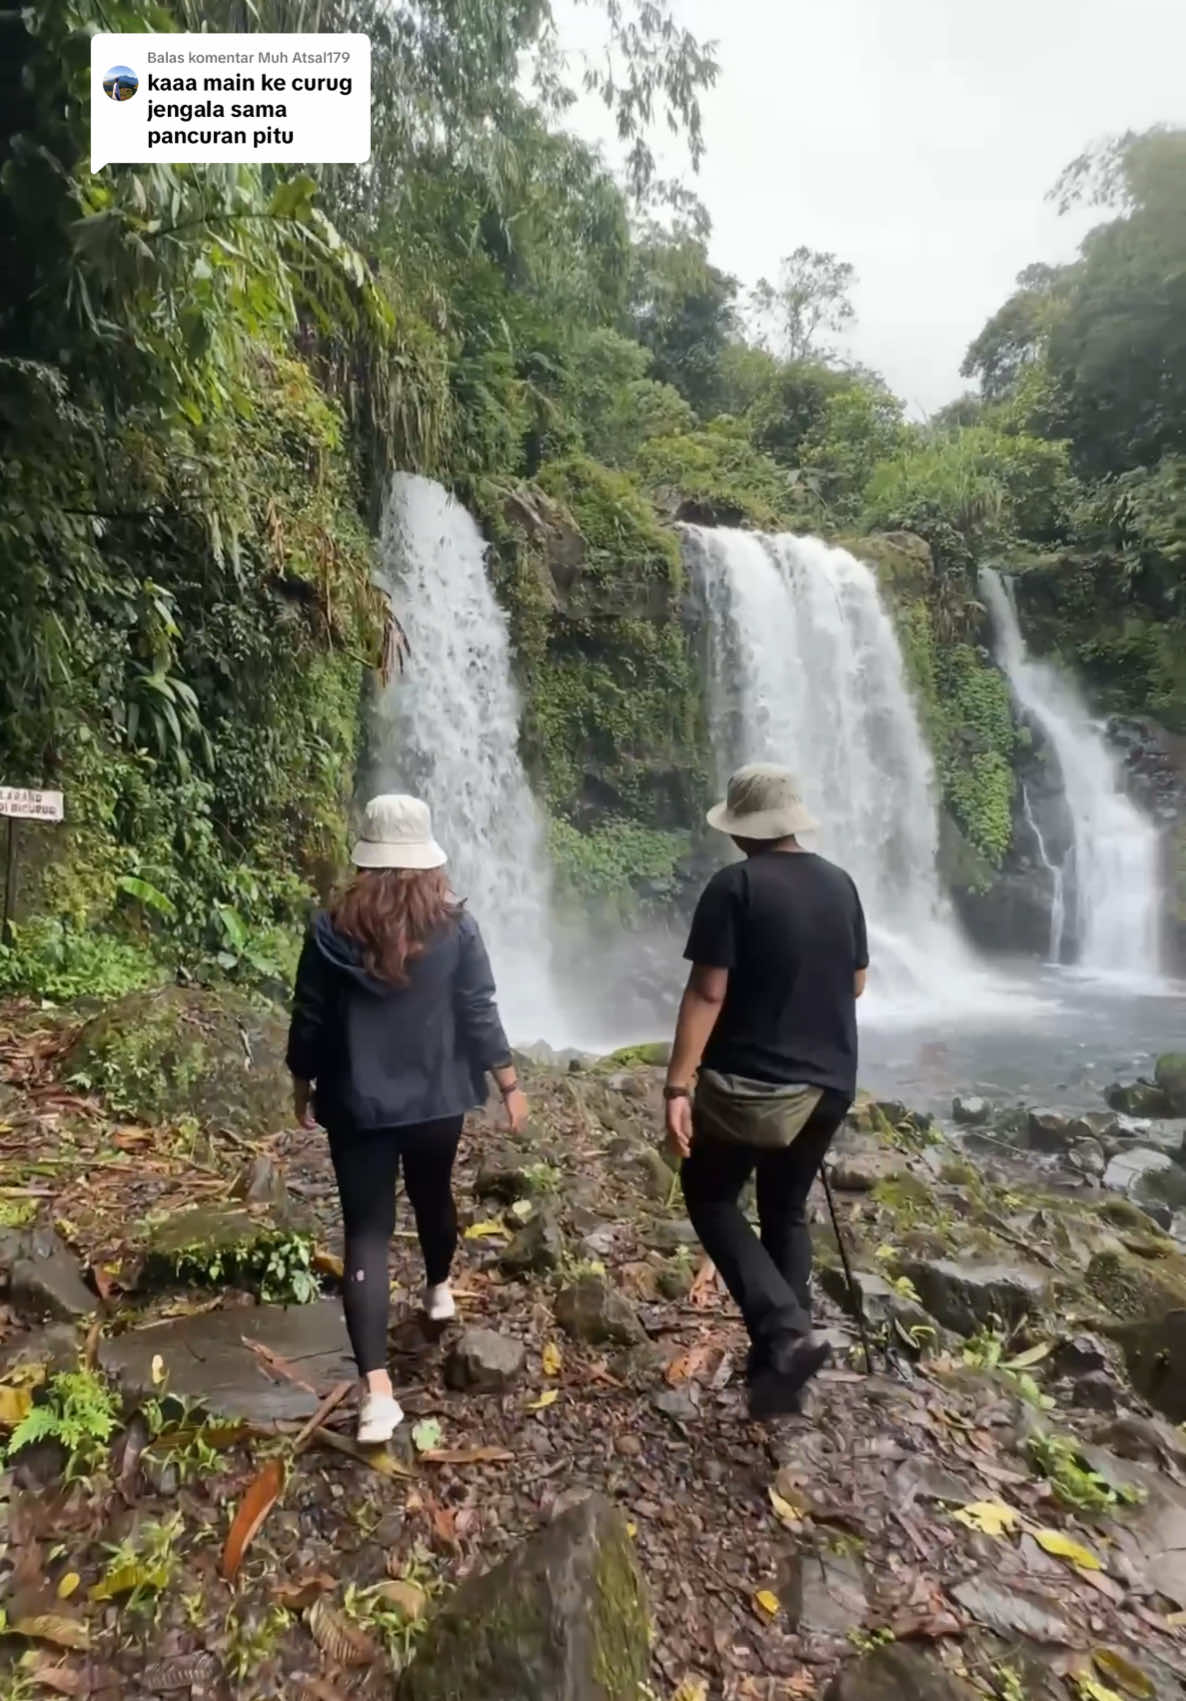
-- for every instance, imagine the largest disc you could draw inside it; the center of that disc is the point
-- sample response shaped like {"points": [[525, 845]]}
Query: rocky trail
{"points": [[578, 1505]]}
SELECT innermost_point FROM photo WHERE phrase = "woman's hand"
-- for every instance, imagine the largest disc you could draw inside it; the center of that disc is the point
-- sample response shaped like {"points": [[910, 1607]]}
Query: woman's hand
{"points": [[679, 1127], [302, 1104], [515, 1106]]}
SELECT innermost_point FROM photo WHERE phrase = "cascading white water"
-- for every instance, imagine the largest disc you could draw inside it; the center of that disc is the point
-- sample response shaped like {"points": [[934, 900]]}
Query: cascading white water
{"points": [[448, 730], [1058, 901], [806, 671], [1115, 851]]}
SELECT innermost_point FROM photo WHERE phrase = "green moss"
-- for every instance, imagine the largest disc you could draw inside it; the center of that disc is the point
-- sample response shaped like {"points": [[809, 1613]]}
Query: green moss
{"points": [[717, 475], [611, 866], [1135, 1288], [621, 1628]]}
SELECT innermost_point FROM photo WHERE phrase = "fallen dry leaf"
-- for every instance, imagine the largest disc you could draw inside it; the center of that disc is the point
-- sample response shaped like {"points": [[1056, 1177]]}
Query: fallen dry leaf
{"points": [[406, 1597], [784, 1511], [484, 1231], [62, 1679], [767, 1603], [545, 1400], [337, 1637], [551, 1359], [53, 1627], [990, 1517], [466, 1456], [182, 1671], [703, 1289], [692, 1689], [1119, 1669], [15, 1406], [297, 1593], [253, 1509], [68, 1585], [1063, 1547]]}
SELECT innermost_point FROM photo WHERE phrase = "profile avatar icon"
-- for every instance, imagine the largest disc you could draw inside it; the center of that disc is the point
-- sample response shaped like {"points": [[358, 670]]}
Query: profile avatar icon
{"points": [[120, 83]]}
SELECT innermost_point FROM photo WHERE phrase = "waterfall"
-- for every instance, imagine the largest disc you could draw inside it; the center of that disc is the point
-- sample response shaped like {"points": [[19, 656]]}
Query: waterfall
{"points": [[805, 669], [1114, 857], [1058, 900], [448, 730]]}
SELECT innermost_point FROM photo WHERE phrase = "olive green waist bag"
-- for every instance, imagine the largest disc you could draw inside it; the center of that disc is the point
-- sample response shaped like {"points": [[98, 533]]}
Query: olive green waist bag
{"points": [[763, 1114]]}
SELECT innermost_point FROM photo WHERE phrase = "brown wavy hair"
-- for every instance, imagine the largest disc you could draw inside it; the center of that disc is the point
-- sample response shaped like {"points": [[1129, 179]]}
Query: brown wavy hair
{"points": [[392, 913]]}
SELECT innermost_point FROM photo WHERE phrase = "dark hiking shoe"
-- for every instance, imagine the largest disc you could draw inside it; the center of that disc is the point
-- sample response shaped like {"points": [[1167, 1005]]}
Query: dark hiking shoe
{"points": [[774, 1391]]}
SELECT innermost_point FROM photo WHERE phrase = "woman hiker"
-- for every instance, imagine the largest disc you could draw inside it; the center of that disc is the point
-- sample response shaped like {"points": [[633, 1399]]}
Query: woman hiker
{"points": [[394, 1026], [779, 955]]}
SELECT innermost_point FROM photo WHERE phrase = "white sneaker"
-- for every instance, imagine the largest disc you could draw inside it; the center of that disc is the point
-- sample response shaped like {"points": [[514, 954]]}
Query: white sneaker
{"points": [[379, 1416], [438, 1303]]}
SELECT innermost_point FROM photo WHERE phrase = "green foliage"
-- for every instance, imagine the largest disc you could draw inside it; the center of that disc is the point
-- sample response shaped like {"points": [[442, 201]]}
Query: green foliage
{"points": [[80, 1411], [614, 862], [716, 475], [277, 1265], [812, 295], [48, 959], [1058, 1459]]}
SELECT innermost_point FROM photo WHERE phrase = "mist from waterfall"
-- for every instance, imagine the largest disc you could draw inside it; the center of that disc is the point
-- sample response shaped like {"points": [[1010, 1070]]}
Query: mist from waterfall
{"points": [[805, 669], [448, 730], [1113, 871]]}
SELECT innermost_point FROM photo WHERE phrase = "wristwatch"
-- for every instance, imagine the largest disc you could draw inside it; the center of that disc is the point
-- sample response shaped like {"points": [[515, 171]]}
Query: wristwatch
{"points": [[670, 1092]]}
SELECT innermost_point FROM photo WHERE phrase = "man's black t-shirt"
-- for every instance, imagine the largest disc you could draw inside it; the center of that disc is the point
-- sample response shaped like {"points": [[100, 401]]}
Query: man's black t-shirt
{"points": [[789, 928]]}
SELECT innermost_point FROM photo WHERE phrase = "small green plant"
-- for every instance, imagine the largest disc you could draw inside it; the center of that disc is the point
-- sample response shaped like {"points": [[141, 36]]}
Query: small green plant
{"points": [[1007, 1683], [1057, 1458], [396, 1626], [78, 1410], [905, 1289], [17, 1213], [47, 959], [868, 1641], [251, 1639], [278, 1266], [541, 1177], [573, 1269], [142, 1566]]}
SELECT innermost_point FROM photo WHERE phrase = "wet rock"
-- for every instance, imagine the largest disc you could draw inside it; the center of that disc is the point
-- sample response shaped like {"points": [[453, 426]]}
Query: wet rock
{"points": [[507, 1182], [630, 1086], [1079, 1356], [1012, 1609], [207, 1360], [56, 1347], [262, 1182], [564, 1615], [538, 1246], [592, 1311], [876, 1299], [1157, 1525], [1138, 1098], [188, 1051], [676, 1404], [1097, 1391], [969, 1296], [675, 1278], [484, 1362], [600, 1242], [971, 1112], [898, 1672], [857, 1168], [1170, 1077], [41, 1278], [1135, 1161], [1049, 1131], [669, 1237], [824, 1593], [1087, 1157], [921, 1479]]}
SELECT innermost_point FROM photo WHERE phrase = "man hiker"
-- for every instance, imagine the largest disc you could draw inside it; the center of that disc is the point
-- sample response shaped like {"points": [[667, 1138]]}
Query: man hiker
{"points": [[768, 1017]]}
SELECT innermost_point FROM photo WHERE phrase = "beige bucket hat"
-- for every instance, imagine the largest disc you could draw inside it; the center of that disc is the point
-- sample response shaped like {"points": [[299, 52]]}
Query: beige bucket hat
{"points": [[397, 833], [762, 802]]}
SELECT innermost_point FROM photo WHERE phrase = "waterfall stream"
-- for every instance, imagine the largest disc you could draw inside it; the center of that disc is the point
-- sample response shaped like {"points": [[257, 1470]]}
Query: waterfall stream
{"points": [[448, 730], [805, 670], [1113, 864], [1058, 901]]}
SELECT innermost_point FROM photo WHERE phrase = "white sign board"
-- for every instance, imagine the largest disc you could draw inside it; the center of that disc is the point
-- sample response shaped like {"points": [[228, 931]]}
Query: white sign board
{"points": [[24, 804]]}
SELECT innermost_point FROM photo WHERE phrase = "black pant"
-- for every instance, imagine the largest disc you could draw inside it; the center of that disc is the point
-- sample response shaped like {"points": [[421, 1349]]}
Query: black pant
{"points": [[366, 1163], [769, 1278]]}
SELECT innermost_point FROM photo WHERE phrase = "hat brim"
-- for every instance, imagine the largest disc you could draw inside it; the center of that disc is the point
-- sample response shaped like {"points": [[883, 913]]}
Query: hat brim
{"points": [[763, 823], [423, 853]]}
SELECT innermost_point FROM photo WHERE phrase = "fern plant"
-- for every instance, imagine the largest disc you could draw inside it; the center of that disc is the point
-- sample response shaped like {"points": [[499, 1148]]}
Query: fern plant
{"points": [[80, 1412]]}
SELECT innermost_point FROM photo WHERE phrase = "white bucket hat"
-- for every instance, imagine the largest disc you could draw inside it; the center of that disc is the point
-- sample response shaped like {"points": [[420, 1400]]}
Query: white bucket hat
{"points": [[397, 833], [762, 802]]}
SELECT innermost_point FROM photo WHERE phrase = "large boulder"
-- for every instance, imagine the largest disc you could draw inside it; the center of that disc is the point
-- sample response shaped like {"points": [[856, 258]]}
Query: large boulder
{"points": [[1138, 1098], [1148, 1296], [1170, 1076], [563, 1618], [896, 1672], [186, 1051], [590, 1310], [484, 1362], [968, 1296], [40, 1277]]}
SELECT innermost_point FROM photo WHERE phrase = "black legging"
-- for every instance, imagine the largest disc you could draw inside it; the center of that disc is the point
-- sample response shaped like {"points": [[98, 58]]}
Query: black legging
{"points": [[366, 1163], [769, 1278]]}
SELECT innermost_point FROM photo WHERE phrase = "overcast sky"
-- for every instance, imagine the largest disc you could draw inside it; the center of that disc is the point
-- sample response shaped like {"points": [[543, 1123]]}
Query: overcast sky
{"points": [[917, 139]]}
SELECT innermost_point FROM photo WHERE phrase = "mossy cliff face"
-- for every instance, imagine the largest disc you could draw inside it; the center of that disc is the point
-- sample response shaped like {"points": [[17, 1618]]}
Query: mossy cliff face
{"points": [[614, 732]]}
